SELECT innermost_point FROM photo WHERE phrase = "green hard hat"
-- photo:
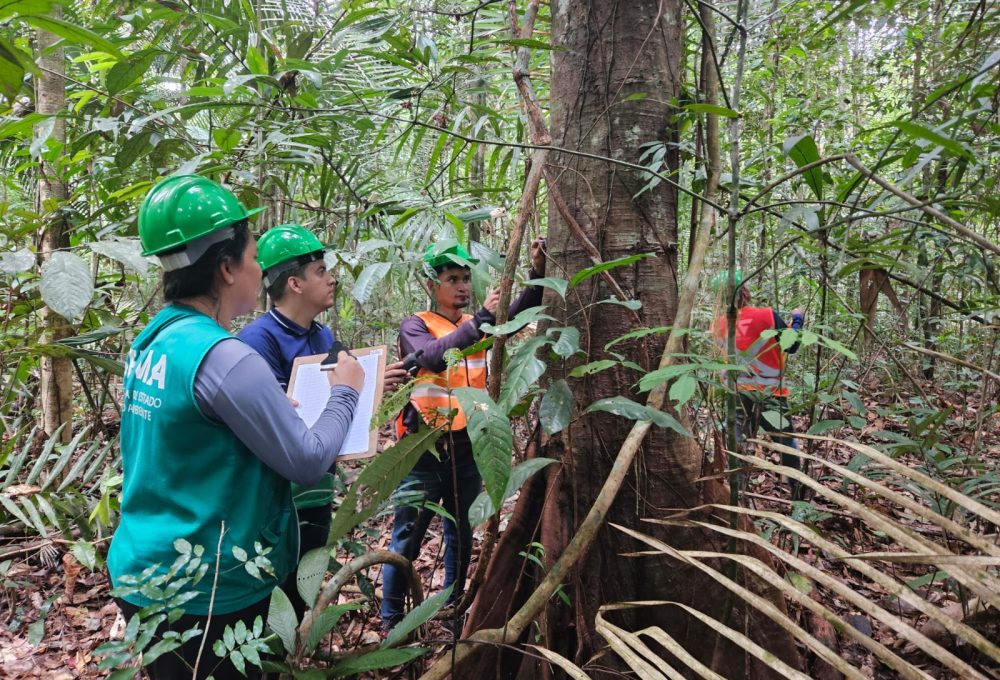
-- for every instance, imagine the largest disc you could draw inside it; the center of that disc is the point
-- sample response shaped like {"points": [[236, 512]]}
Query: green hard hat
{"points": [[719, 282], [439, 256], [183, 209], [290, 245]]}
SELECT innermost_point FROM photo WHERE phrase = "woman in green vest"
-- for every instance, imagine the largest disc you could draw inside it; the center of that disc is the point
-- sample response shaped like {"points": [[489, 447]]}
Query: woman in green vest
{"points": [[209, 441]]}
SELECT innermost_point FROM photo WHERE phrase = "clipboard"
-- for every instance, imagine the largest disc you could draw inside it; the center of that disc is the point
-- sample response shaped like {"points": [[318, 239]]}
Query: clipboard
{"points": [[311, 388]]}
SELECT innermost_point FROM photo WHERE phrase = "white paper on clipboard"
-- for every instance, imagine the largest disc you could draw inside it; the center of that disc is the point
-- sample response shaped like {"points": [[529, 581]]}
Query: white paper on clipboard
{"points": [[310, 387]]}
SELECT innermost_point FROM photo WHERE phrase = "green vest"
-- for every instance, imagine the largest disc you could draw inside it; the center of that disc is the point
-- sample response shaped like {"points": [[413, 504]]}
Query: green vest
{"points": [[184, 475], [320, 494]]}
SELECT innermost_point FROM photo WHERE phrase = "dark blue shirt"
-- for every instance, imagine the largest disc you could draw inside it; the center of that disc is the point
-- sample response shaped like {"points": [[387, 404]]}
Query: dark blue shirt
{"points": [[280, 340]]}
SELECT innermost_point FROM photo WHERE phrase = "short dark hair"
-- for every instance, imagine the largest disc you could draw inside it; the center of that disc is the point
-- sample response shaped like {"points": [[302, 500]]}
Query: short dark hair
{"points": [[442, 268], [277, 290], [199, 278]]}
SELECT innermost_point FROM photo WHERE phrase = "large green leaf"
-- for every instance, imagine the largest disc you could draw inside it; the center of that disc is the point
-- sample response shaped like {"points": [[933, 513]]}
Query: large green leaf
{"points": [[66, 284], [556, 408], [482, 508], [282, 620], [310, 573], [585, 274], [921, 132], [380, 658], [16, 261], [379, 479], [126, 251], [126, 72], [523, 318], [72, 33], [325, 622], [13, 63], [370, 277], [417, 617], [803, 150], [492, 439], [568, 343], [10, 7], [625, 407], [557, 284], [523, 371]]}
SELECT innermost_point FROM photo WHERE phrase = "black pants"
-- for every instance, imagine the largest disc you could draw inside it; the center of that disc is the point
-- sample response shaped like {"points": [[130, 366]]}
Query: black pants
{"points": [[314, 528], [179, 664], [750, 418]]}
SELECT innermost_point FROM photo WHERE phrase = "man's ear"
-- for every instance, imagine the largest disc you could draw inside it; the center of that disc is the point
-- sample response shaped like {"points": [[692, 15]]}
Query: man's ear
{"points": [[429, 285], [293, 285]]}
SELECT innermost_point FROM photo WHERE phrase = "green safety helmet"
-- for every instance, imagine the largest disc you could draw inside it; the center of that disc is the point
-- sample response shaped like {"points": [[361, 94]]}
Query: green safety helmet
{"points": [[286, 247], [719, 282], [187, 214], [436, 257]]}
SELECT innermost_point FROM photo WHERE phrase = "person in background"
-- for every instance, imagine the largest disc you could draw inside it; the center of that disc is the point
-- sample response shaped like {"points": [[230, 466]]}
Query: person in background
{"points": [[760, 386], [450, 477], [301, 288], [209, 441]]}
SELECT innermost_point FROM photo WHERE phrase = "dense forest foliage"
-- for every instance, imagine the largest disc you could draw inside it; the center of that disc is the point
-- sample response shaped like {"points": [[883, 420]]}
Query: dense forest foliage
{"points": [[837, 157]]}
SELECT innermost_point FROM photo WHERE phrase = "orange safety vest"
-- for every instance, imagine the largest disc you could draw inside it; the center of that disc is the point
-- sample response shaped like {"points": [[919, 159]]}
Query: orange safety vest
{"points": [[431, 396], [765, 362]]}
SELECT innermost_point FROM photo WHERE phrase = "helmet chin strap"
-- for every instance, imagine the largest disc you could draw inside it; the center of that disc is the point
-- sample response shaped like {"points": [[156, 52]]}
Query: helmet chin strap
{"points": [[193, 250]]}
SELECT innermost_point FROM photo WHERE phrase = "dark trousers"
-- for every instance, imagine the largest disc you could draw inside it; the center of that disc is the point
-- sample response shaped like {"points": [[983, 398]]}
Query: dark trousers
{"points": [[179, 664], [455, 489], [314, 529], [750, 418]]}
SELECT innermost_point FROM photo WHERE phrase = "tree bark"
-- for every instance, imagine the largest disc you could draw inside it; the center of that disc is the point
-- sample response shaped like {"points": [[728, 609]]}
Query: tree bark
{"points": [[50, 99], [607, 55]]}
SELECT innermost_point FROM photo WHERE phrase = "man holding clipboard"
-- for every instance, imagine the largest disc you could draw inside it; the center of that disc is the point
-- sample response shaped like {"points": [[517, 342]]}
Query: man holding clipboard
{"points": [[301, 288]]}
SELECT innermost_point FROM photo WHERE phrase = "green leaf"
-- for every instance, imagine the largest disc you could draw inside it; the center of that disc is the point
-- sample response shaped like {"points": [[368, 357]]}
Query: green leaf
{"points": [[556, 408], [592, 367], [417, 617], [126, 251], [585, 274], [132, 149], [66, 284], [9, 8], [381, 658], [526, 316], [839, 348], [378, 480], [124, 73], [522, 374], [787, 338], [477, 215], [12, 69], [492, 439], [920, 132], [801, 583], [825, 426], [310, 573], [482, 508], [85, 553], [282, 620], [125, 673], [370, 277], [73, 34], [712, 109], [622, 406], [226, 139], [256, 62], [325, 622], [568, 343], [683, 389], [803, 150], [555, 283]]}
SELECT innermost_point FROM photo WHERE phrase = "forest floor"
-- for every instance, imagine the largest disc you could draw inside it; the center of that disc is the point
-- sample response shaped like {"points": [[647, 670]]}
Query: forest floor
{"points": [[54, 614]]}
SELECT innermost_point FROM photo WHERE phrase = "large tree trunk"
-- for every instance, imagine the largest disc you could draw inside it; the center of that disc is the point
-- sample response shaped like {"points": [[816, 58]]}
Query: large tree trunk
{"points": [[607, 54], [50, 99]]}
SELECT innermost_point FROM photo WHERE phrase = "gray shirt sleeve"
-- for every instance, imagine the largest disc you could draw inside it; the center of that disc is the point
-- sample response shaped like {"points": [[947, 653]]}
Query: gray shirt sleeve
{"points": [[234, 386]]}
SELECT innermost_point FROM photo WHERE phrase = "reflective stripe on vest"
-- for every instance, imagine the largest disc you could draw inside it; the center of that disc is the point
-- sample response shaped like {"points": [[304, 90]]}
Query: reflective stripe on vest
{"points": [[763, 359], [432, 395]]}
